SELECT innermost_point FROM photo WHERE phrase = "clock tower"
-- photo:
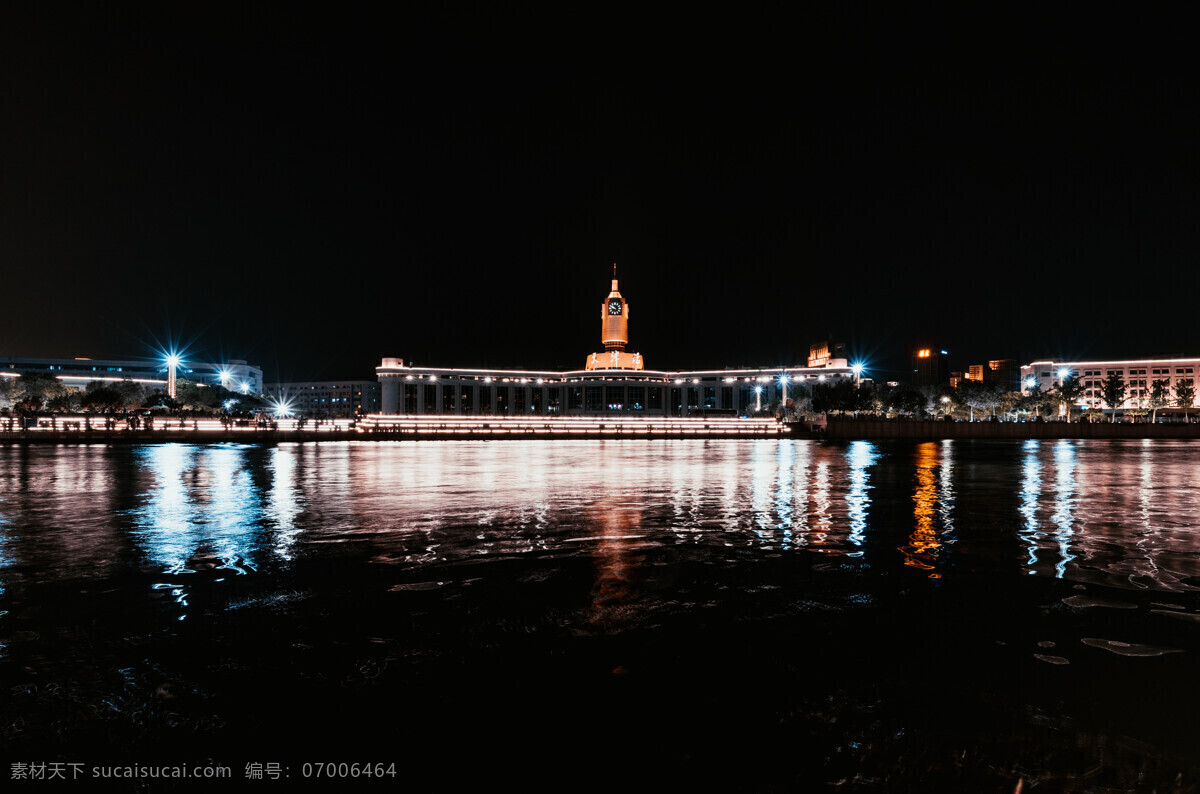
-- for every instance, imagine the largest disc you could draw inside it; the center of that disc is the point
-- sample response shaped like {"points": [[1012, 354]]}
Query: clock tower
{"points": [[614, 334]]}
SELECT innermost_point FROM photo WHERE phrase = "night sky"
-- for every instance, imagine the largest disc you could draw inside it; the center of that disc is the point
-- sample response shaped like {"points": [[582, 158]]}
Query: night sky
{"points": [[312, 191]]}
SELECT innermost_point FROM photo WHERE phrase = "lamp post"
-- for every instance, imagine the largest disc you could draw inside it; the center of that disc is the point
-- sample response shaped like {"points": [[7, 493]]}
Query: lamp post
{"points": [[172, 365], [858, 369], [757, 399], [783, 382]]}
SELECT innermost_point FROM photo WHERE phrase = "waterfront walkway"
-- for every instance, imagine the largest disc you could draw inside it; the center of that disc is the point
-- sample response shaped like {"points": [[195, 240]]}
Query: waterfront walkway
{"points": [[78, 430]]}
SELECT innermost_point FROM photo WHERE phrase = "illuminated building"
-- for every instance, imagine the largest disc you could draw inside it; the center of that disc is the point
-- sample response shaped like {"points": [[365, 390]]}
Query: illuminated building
{"points": [[236, 375], [334, 398], [614, 382], [827, 354], [614, 334], [1139, 376]]}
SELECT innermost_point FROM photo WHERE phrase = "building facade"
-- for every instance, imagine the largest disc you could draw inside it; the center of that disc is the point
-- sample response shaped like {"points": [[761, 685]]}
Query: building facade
{"points": [[333, 398], [1139, 376], [235, 375], [612, 383]]}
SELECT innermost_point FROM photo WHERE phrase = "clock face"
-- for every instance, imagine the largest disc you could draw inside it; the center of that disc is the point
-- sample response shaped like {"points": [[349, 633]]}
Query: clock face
{"points": [[614, 306]]}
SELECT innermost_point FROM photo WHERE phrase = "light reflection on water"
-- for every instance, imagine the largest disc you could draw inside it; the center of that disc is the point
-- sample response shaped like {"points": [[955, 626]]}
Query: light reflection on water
{"points": [[933, 503], [202, 502], [861, 456], [1112, 512], [1065, 495], [799, 557]]}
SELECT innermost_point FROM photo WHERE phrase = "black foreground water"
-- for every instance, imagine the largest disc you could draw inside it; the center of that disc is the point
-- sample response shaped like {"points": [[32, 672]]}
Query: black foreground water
{"points": [[675, 615]]}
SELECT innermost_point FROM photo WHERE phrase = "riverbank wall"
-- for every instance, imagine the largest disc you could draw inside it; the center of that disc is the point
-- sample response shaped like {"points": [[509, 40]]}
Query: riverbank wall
{"points": [[872, 429]]}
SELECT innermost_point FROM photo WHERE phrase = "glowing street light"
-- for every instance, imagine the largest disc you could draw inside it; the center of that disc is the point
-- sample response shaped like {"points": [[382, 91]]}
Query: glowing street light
{"points": [[857, 368], [224, 376], [245, 388], [172, 365], [783, 382], [757, 398]]}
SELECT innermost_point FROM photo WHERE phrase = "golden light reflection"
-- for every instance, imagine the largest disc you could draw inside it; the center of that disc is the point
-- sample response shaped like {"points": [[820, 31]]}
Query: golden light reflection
{"points": [[924, 542], [615, 562]]}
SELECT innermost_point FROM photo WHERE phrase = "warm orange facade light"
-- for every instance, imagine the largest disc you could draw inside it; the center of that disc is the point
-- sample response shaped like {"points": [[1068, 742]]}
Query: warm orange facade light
{"points": [[614, 334], [923, 353]]}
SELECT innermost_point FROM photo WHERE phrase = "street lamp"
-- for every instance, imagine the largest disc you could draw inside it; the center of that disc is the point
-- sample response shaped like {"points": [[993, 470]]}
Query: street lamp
{"points": [[757, 399], [783, 382], [857, 367], [172, 365]]}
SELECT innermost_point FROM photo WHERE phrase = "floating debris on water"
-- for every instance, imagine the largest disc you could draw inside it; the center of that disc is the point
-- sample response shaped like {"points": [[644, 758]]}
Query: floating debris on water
{"points": [[1128, 648], [1091, 601], [1174, 614], [1045, 657]]}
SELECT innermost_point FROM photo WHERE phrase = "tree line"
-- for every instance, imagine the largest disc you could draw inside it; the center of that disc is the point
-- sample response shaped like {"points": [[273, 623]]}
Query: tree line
{"points": [[40, 392], [972, 400]]}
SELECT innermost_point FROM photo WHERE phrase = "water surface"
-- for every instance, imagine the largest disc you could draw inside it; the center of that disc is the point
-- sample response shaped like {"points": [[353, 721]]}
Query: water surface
{"points": [[733, 615]]}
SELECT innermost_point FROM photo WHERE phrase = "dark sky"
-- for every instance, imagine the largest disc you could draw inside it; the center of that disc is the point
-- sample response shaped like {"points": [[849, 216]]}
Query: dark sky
{"points": [[315, 190]]}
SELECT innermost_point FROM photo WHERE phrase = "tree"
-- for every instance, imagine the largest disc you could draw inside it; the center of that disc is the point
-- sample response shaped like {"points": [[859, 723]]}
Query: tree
{"points": [[1160, 391], [64, 402], [1036, 399], [134, 393], [841, 395], [1069, 390], [1185, 395], [1011, 402], [1112, 391], [103, 399], [197, 397], [34, 389], [906, 400], [939, 400], [979, 395]]}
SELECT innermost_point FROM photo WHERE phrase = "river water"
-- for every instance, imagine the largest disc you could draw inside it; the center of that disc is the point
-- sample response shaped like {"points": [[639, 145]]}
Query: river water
{"points": [[704, 615]]}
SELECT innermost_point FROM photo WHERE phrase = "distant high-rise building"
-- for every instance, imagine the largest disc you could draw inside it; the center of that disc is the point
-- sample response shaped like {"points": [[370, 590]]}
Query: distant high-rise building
{"points": [[930, 366], [1005, 372]]}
